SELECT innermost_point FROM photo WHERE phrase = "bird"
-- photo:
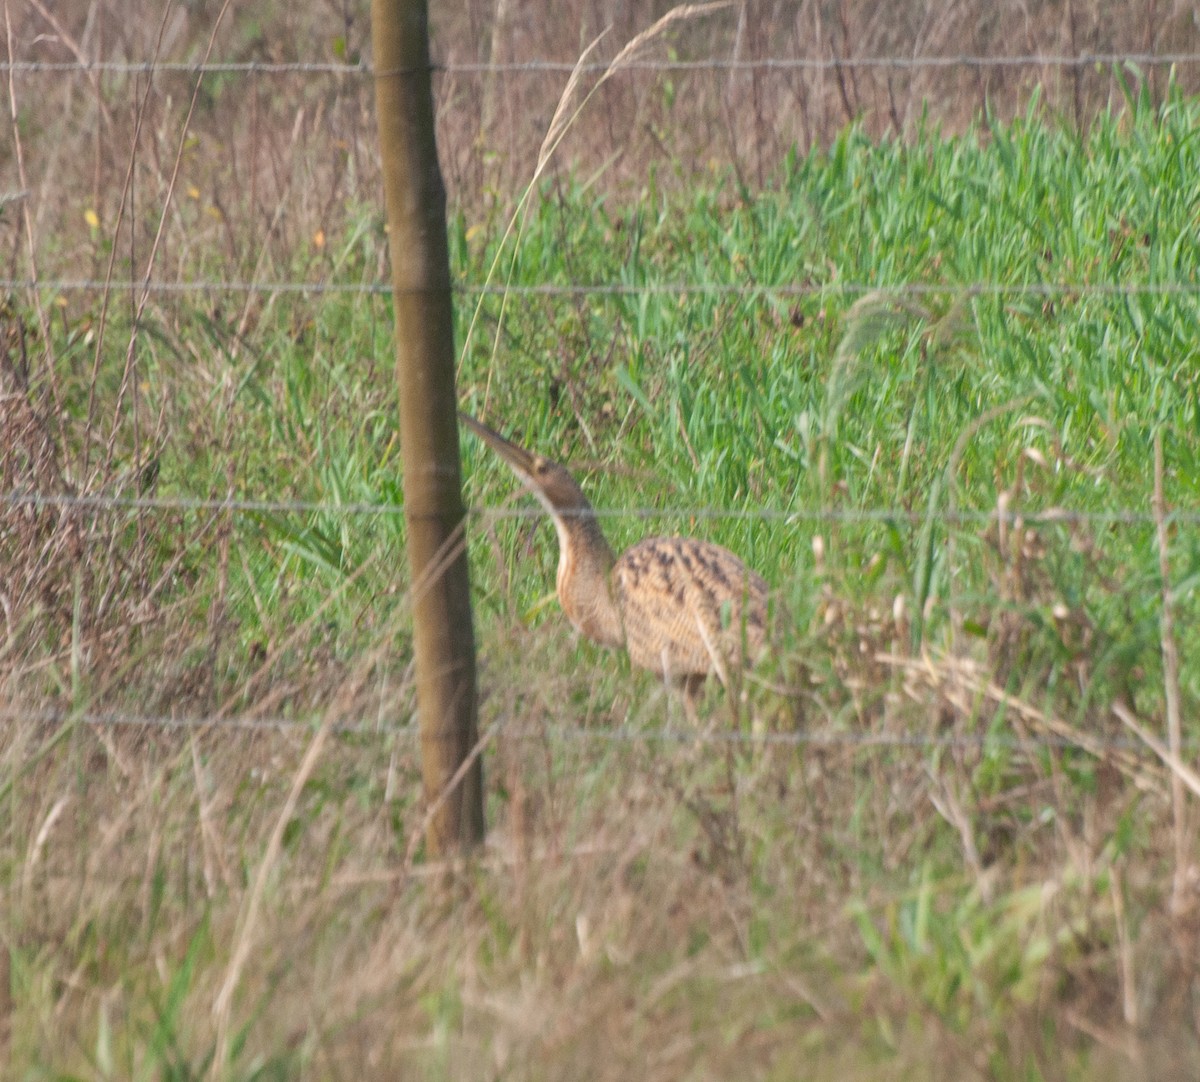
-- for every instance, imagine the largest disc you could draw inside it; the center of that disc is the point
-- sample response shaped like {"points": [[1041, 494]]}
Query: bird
{"points": [[681, 607]]}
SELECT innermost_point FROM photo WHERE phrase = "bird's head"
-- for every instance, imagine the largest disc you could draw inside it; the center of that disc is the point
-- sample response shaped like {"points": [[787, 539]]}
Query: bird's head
{"points": [[550, 482]]}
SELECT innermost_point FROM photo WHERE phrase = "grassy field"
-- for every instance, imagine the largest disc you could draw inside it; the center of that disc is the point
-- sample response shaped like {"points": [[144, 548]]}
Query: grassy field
{"points": [[934, 851]]}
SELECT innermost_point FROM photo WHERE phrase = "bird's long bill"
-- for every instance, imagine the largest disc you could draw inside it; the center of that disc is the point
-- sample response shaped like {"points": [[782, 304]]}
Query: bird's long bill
{"points": [[517, 457]]}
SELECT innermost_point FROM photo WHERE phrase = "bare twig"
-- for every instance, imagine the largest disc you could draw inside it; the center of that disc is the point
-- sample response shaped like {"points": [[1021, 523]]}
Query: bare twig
{"points": [[568, 110], [1179, 769], [955, 676], [106, 295], [209, 843], [248, 924], [1129, 1005], [1170, 655], [127, 378], [949, 807], [92, 71], [26, 212]]}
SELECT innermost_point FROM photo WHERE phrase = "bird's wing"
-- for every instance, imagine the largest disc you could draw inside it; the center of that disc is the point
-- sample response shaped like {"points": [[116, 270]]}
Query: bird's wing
{"points": [[689, 607]]}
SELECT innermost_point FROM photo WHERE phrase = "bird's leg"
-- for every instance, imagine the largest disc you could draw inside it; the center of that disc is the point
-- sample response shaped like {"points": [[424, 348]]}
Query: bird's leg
{"points": [[693, 686], [733, 695]]}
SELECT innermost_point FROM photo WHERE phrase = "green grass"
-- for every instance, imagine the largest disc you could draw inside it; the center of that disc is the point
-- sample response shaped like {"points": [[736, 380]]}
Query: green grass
{"points": [[674, 909], [919, 405]]}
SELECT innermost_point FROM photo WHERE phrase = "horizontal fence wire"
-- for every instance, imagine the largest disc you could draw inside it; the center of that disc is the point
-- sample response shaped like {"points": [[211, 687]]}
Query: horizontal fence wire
{"points": [[966, 516], [621, 734], [565, 67], [549, 289]]}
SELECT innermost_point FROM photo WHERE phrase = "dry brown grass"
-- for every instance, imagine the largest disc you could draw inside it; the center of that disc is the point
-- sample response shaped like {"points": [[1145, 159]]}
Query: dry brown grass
{"points": [[648, 907], [271, 161], [670, 908]]}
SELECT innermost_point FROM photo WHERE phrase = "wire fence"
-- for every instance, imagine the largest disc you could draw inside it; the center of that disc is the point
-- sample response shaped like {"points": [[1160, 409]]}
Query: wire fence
{"points": [[853, 516], [716, 64], [560, 67], [620, 734], [619, 290], [636, 63], [601, 735]]}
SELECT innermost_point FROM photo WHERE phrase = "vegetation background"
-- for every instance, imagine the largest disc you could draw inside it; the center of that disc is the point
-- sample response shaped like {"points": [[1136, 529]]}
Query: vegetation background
{"points": [[835, 313]]}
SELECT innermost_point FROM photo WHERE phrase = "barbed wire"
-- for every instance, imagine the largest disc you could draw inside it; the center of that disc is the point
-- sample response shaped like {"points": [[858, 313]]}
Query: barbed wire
{"points": [[170, 67], [250, 723], [783, 289], [621, 734], [565, 67], [87, 285], [813, 63], [867, 515]]}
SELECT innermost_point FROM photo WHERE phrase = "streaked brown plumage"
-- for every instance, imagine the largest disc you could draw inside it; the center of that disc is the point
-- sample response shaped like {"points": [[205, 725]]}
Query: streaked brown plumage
{"points": [[683, 608]]}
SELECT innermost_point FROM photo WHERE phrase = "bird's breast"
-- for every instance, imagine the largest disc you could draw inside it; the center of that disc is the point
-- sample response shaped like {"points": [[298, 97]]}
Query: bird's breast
{"points": [[585, 592], [689, 606]]}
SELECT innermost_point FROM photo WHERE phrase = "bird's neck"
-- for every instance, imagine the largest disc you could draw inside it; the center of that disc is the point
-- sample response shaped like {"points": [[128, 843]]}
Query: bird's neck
{"points": [[585, 563]]}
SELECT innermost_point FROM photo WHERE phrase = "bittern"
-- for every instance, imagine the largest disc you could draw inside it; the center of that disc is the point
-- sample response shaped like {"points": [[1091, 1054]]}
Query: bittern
{"points": [[682, 607]]}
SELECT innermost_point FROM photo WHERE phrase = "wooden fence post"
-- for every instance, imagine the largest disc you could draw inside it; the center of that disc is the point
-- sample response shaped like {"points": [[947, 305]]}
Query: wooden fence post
{"points": [[443, 637]]}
